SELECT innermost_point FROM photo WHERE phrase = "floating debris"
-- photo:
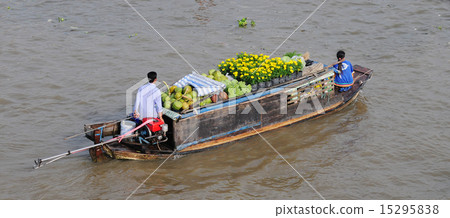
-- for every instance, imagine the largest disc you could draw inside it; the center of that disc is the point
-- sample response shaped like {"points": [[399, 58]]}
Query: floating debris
{"points": [[243, 22], [60, 19]]}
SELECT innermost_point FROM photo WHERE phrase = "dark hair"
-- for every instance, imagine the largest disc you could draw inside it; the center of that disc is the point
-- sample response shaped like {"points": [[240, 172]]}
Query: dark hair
{"points": [[340, 54], [151, 76]]}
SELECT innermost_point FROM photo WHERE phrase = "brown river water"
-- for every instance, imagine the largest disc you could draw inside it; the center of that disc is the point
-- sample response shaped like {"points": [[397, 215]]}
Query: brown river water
{"points": [[392, 143]]}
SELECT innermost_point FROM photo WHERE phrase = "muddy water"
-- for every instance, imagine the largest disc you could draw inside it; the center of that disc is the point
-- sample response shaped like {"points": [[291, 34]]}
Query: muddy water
{"points": [[392, 143]]}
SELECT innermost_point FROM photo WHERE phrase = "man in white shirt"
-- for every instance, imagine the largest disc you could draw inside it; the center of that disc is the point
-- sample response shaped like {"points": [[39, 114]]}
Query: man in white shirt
{"points": [[148, 100]]}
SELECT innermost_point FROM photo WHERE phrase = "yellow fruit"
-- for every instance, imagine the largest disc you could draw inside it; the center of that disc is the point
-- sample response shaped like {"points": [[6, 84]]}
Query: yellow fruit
{"points": [[185, 106], [172, 88], [187, 89]]}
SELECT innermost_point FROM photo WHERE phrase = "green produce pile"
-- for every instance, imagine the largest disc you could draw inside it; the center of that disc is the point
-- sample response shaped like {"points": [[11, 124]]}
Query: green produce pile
{"points": [[179, 98], [215, 75], [206, 101], [234, 88]]}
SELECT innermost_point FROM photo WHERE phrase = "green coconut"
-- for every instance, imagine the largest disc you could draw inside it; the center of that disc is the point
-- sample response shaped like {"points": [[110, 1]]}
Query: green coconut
{"points": [[185, 106], [187, 89], [166, 99], [217, 73], [167, 104], [205, 102], [178, 95], [194, 94], [177, 105], [188, 96], [172, 88]]}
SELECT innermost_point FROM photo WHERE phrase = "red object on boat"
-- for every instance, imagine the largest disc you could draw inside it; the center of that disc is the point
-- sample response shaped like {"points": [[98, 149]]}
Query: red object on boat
{"points": [[154, 125]]}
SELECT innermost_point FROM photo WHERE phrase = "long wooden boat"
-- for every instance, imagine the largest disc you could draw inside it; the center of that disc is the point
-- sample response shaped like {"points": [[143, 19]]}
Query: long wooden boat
{"points": [[208, 127]]}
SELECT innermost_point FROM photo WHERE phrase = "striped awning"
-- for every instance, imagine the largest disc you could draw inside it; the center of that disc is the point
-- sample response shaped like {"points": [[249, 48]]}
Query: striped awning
{"points": [[202, 84]]}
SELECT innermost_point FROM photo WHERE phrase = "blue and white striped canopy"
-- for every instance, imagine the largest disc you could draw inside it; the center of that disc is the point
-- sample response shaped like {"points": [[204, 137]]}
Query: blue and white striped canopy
{"points": [[202, 84]]}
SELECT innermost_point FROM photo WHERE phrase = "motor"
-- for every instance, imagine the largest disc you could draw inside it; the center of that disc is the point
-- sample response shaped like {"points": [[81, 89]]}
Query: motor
{"points": [[154, 132]]}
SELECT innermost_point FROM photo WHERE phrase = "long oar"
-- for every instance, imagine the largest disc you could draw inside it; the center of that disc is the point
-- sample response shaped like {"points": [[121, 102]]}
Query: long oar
{"points": [[329, 66], [109, 124], [42, 162], [334, 64]]}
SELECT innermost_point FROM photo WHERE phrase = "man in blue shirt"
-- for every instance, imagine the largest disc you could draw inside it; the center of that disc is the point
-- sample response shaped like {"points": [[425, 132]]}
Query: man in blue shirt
{"points": [[148, 100], [344, 75]]}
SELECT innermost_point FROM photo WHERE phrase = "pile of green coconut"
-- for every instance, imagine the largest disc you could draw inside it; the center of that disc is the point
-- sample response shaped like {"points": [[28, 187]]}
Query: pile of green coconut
{"points": [[179, 98]]}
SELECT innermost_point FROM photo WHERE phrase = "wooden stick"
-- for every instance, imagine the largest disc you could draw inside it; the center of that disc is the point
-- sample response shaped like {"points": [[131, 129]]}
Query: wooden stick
{"points": [[335, 63]]}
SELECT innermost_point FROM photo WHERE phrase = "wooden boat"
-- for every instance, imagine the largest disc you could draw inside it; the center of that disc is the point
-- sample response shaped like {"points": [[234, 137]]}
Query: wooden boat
{"points": [[208, 127]]}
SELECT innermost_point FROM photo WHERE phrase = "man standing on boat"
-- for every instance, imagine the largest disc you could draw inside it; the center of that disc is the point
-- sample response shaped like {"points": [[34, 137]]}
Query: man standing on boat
{"points": [[148, 100], [344, 76]]}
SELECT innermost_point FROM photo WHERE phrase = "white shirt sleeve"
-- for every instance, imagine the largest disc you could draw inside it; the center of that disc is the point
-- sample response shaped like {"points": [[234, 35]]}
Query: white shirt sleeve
{"points": [[158, 102], [138, 100]]}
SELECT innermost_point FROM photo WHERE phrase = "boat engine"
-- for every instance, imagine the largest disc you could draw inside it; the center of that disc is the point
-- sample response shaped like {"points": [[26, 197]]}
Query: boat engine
{"points": [[154, 132]]}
